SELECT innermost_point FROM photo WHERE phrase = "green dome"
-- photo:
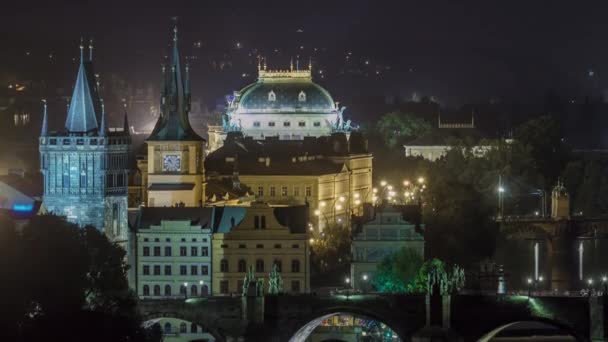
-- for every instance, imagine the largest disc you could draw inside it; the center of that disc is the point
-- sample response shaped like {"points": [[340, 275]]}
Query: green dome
{"points": [[298, 96]]}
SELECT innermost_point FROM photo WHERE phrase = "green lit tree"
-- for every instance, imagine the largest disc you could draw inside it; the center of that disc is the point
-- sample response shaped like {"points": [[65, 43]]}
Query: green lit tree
{"points": [[397, 271]]}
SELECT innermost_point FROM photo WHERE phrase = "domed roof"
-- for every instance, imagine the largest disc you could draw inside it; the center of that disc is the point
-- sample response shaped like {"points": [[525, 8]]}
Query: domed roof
{"points": [[285, 92]]}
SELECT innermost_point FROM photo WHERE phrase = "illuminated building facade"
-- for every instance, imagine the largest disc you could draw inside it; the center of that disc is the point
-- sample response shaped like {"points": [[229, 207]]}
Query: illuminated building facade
{"points": [[173, 172], [285, 104], [85, 166]]}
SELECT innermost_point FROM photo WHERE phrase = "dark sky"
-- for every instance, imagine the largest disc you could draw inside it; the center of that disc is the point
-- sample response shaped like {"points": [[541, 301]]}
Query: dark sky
{"points": [[458, 51]]}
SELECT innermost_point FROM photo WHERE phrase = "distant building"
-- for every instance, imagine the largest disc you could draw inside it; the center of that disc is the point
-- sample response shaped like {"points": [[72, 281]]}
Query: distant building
{"points": [[391, 229], [261, 236], [172, 252], [173, 172], [332, 174], [85, 166], [436, 144]]}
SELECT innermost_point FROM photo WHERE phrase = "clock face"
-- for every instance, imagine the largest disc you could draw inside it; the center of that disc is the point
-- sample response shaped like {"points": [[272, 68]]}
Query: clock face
{"points": [[172, 163]]}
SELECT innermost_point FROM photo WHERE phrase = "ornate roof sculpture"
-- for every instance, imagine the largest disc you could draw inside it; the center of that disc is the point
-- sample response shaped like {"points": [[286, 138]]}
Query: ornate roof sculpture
{"points": [[173, 123]]}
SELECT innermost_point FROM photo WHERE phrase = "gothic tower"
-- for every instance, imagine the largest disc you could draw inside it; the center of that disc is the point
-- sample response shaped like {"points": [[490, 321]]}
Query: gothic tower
{"points": [[85, 165], [175, 171]]}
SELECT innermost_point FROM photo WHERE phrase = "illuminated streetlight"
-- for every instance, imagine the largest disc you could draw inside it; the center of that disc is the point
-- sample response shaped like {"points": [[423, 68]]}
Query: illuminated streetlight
{"points": [[312, 241], [406, 182], [529, 280], [420, 180], [365, 277], [383, 183], [347, 280], [342, 199], [540, 278], [604, 279], [338, 207], [357, 202], [390, 187], [590, 281], [322, 204], [375, 190], [407, 194], [356, 195], [501, 189], [317, 212]]}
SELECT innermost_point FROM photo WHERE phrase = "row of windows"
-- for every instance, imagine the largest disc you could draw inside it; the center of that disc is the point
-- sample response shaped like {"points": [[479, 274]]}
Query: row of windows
{"points": [[276, 245], [285, 191], [167, 291], [80, 141], [287, 124], [183, 270], [183, 328], [225, 286], [183, 251], [259, 266], [169, 239]]}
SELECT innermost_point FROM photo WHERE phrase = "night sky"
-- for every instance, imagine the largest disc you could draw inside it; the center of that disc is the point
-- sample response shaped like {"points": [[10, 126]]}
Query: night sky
{"points": [[457, 51]]}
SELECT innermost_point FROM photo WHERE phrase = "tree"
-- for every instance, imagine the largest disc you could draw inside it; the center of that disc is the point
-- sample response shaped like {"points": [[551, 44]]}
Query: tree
{"points": [[397, 271], [331, 248], [396, 127]]}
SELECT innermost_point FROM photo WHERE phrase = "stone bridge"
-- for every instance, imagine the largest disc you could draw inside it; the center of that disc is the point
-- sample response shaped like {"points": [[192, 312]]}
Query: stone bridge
{"points": [[412, 317]]}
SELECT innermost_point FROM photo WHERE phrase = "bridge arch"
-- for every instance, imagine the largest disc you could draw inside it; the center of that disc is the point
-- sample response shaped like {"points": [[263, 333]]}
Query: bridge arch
{"points": [[304, 327], [534, 324], [172, 324]]}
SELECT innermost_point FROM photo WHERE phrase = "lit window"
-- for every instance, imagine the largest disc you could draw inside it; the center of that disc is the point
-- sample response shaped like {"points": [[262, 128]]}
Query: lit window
{"points": [[272, 96], [296, 191], [308, 191], [283, 191], [260, 191], [224, 265], [317, 124], [272, 191], [271, 124]]}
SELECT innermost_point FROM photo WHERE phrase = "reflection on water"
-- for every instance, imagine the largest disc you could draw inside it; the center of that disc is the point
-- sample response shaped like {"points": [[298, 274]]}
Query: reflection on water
{"points": [[350, 328]]}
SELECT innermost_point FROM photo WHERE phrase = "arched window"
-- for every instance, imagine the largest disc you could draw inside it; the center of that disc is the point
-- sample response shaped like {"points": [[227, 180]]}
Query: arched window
{"points": [[272, 96], [279, 265], [194, 290], [224, 265], [302, 96], [295, 266], [157, 290], [259, 265], [204, 290], [146, 290], [167, 328], [115, 225], [242, 266], [193, 328], [167, 290], [182, 290], [183, 328]]}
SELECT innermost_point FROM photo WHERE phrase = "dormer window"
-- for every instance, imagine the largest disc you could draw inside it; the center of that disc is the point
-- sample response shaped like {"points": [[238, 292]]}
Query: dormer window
{"points": [[302, 96], [272, 96]]}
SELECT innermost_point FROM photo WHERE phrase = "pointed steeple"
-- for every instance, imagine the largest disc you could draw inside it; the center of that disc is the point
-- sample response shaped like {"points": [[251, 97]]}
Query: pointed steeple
{"points": [[45, 129], [90, 50], [81, 117], [173, 123], [102, 129], [125, 125]]}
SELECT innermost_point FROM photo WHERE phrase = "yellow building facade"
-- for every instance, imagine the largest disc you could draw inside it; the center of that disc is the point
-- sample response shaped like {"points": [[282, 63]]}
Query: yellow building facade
{"points": [[261, 236]]}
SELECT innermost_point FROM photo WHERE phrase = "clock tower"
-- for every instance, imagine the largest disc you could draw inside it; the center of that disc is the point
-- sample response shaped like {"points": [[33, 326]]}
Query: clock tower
{"points": [[175, 171]]}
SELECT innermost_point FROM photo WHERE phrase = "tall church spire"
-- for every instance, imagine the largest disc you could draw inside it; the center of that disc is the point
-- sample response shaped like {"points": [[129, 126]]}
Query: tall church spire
{"points": [[102, 130], [81, 117], [125, 125], [45, 129], [173, 123]]}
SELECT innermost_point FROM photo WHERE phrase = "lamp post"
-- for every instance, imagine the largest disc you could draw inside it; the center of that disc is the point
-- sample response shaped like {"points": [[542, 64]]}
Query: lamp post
{"points": [[201, 283], [604, 285], [590, 283], [364, 283], [186, 290], [529, 288], [347, 281]]}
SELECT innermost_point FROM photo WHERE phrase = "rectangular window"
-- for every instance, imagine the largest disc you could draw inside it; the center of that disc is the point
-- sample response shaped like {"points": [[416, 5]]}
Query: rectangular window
{"points": [[205, 251], [283, 191], [277, 246], [308, 191], [183, 270], [242, 246], [295, 286], [156, 269], [168, 251], [259, 246], [79, 141], [146, 251], [256, 222], [263, 222], [157, 251], [256, 124], [193, 270], [272, 191], [317, 124], [302, 124], [167, 269], [296, 191], [93, 142], [271, 124], [286, 124], [260, 191], [224, 286], [183, 251], [193, 251], [205, 270], [295, 246], [224, 246], [146, 270], [66, 180]]}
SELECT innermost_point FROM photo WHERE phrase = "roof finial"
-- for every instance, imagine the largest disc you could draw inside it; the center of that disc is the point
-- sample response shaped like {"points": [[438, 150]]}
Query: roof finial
{"points": [[126, 120], [291, 64], [81, 49], [91, 50], [259, 63], [174, 28], [102, 129], [265, 66], [310, 63], [44, 130]]}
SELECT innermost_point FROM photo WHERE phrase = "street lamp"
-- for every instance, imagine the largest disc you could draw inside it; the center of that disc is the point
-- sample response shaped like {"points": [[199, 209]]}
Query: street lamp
{"points": [[406, 182], [347, 281], [605, 284], [383, 183], [186, 290], [421, 180], [529, 288], [364, 277]]}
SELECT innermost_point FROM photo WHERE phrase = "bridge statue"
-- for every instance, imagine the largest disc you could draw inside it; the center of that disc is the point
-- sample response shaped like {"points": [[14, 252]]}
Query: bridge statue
{"points": [[275, 281]]}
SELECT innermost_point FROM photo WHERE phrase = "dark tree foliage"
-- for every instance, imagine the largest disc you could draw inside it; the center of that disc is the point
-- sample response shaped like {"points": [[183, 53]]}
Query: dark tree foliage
{"points": [[61, 282], [331, 248], [397, 127]]}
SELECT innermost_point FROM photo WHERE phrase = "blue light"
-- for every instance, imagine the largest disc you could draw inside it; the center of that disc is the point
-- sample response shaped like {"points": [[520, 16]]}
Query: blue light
{"points": [[23, 207]]}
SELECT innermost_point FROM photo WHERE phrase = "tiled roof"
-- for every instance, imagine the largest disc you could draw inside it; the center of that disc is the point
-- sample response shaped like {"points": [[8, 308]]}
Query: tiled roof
{"points": [[148, 216]]}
